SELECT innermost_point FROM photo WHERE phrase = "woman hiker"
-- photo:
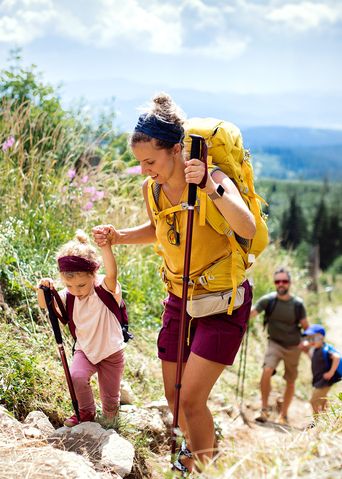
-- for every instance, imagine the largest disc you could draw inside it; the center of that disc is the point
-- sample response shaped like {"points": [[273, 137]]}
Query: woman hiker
{"points": [[213, 341]]}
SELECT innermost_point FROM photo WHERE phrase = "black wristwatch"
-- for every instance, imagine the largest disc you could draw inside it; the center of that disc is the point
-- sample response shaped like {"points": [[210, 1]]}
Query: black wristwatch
{"points": [[218, 193]]}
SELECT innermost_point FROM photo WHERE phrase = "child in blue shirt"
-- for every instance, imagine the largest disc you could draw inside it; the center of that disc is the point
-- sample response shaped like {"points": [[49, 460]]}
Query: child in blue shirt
{"points": [[326, 365]]}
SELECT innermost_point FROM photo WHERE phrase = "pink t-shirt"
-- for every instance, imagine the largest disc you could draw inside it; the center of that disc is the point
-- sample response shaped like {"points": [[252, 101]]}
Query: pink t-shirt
{"points": [[98, 331]]}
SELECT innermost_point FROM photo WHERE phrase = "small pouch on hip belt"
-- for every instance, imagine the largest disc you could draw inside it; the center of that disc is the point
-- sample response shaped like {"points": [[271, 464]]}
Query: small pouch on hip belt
{"points": [[213, 303]]}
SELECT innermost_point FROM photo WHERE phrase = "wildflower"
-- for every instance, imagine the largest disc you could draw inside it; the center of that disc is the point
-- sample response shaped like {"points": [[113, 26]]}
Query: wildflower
{"points": [[71, 174], [85, 179], [133, 170], [91, 190], [98, 196], [88, 206], [8, 143]]}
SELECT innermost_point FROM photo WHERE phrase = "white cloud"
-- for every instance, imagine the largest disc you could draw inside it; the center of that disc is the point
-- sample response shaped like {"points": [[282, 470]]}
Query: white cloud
{"points": [[207, 16], [8, 4], [23, 21], [222, 48], [305, 15], [25, 26], [155, 27], [163, 27]]}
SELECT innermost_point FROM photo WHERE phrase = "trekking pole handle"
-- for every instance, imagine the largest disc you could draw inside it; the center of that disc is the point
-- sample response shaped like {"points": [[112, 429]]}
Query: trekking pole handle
{"points": [[196, 142], [53, 318]]}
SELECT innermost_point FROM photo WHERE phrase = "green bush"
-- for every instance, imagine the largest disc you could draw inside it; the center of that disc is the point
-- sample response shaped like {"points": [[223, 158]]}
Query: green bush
{"points": [[18, 373], [336, 268]]}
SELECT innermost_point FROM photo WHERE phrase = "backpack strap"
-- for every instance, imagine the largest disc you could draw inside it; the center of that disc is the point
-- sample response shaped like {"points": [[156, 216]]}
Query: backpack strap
{"points": [[269, 309], [153, 199], [120, 311], [298, 306], [108, 299], [326, 356]]}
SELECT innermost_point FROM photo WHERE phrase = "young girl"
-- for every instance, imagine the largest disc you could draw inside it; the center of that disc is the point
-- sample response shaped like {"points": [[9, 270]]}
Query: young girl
{"points": [[100, 342], [157, 143]]}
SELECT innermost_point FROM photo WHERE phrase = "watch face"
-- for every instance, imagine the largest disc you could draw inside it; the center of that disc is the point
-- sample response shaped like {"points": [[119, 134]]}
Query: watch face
{"points": [[220, 190]]}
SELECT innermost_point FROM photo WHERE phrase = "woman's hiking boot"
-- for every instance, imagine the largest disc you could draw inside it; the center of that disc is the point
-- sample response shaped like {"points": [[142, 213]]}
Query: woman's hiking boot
{"points": [[264, 415], [178, 464], [73, 421]]}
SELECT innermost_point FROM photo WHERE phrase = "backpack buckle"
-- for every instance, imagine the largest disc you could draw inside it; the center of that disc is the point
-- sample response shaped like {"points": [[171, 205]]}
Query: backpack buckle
{"points": [[251, 258]]}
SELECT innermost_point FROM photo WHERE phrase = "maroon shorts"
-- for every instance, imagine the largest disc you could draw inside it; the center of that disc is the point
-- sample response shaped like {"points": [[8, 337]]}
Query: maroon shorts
{"points": [[216, 338]]}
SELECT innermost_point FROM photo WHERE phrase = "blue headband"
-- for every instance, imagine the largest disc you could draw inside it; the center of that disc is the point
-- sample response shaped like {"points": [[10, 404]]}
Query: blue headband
{"points": [[154, 127]]}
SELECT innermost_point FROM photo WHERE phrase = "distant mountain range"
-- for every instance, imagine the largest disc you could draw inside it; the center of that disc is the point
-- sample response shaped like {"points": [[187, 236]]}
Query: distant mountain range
{"points": [[278, 151], [295, 153]]}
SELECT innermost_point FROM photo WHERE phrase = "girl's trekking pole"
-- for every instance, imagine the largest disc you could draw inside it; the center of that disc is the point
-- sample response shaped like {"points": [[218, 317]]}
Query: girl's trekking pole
{"points": [[195, 153], [58, 336]]}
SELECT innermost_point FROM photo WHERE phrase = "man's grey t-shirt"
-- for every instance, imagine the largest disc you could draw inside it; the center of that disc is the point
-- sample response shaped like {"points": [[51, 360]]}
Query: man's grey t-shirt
{"points": [[283, 326]]}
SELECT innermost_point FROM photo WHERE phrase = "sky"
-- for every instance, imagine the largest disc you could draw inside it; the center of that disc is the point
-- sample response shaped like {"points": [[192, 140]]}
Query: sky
{"points": [[267, 62]]}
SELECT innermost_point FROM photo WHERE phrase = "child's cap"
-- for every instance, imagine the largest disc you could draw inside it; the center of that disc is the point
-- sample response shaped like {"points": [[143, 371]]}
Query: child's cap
{"points": [[314, 329]]}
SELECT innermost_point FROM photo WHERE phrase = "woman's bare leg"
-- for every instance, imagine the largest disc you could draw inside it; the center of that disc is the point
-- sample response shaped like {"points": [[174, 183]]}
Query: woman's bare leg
{"points": [[198, 379]]}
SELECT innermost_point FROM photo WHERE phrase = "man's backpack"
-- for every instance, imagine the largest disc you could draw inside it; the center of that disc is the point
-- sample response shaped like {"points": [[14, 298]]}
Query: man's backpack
{"points": [[120, 311], [298, 309], [226, 152], [327, 350]]}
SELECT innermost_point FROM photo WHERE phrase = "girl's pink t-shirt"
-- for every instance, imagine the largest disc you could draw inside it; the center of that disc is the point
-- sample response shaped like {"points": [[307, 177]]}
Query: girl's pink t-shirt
{"points": [[98, 331]]}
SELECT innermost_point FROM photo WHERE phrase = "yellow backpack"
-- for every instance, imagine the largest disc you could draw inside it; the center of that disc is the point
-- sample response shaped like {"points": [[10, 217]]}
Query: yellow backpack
{"points": [[226, 152]]}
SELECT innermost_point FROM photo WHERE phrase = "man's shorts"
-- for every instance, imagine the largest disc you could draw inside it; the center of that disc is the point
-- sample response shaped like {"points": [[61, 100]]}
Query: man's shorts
{"points": [[216, 338], [290, 355]]}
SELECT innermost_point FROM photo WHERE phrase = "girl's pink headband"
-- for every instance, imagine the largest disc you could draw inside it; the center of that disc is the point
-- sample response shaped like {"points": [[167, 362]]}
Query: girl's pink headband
{"points": [[73, 264]]}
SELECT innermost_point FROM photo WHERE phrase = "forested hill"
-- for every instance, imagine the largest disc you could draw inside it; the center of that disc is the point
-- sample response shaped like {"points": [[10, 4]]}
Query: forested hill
{"points": [[291, 153]]}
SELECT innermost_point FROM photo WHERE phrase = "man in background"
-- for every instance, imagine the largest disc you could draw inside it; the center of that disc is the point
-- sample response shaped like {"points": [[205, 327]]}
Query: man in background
{"points": [[285, 317]]}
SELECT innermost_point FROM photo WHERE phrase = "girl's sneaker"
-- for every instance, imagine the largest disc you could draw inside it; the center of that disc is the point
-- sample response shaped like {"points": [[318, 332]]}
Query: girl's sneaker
{"points": [[73, 421]]}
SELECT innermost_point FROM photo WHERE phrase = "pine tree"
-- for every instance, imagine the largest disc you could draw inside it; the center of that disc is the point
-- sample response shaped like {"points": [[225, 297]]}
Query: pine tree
{"points": [[326, 233], [293, 229]]}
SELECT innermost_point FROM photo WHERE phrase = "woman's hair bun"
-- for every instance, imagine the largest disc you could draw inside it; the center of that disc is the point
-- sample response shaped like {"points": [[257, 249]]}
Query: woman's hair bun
{"points": [[164, 107]]}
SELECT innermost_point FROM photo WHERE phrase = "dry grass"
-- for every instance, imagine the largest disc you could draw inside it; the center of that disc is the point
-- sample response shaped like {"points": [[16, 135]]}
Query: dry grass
{"points": [[266, 453]]}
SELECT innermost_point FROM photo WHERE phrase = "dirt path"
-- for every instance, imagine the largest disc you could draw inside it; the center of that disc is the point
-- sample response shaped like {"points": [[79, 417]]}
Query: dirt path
{"points": [[333, 322]]}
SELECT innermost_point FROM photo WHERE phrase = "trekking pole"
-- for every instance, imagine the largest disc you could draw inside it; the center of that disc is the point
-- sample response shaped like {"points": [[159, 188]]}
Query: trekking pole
{"points": [[240, 387], [195, 153], [58, 336], [244, 367], [238, 382]]}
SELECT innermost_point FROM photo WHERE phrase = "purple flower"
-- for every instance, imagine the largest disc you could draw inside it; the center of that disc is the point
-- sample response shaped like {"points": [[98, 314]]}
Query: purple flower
{"points": [[133, 170], [98, 196], [71, 174], [88, 206], [85, 179], [90, 189], [8, 143]]}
